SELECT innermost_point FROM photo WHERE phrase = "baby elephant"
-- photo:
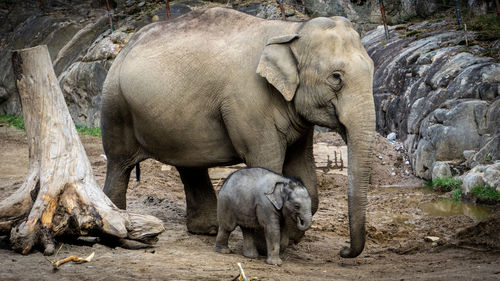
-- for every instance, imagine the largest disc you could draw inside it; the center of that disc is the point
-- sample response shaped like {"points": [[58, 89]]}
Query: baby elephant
{"points": [[257, 199]]}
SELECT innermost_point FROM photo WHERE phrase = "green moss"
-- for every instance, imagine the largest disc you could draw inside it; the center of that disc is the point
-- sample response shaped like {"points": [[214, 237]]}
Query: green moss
{"points": [[444, 184]]}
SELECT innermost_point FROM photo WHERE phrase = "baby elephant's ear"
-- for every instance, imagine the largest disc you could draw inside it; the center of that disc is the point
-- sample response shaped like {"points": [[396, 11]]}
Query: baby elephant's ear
{"points": [[275, 195]]}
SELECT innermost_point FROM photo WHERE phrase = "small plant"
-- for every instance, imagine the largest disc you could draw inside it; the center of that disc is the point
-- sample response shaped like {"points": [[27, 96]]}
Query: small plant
{"points": [[444, 184], [486, 193], [489, 158], [456, 195], [13, 121]]}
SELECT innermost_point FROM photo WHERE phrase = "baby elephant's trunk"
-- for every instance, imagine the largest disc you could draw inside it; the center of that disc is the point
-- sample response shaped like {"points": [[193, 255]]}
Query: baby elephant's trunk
{"points": [[304, 221]]}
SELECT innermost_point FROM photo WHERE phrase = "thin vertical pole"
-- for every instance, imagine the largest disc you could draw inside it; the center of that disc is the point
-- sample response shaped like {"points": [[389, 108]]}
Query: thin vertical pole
{"points": [[282, 8], [168, 8], [498, 10], [382, 10], [459, 17], [109, 16]]}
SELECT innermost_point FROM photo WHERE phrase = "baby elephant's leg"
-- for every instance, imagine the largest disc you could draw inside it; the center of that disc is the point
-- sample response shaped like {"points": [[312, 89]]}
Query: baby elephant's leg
{"points": [[249, 249], [272, 232], [222, 239]]}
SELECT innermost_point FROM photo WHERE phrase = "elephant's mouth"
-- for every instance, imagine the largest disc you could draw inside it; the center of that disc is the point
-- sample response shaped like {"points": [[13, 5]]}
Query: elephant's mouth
{"points": [[300, 221]]}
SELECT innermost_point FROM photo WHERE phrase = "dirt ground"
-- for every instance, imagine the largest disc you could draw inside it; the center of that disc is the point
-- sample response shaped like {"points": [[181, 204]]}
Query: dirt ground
{"points": [[397, 226]]}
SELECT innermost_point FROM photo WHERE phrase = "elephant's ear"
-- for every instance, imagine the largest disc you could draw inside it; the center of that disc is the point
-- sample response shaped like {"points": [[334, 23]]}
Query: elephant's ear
{"points": [[275, 195], [278, 65]]}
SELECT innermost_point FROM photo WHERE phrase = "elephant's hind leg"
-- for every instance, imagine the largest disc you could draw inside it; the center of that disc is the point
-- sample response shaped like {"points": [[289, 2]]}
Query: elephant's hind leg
{"points": [[117, 177], [201, 201], [221, 242]]}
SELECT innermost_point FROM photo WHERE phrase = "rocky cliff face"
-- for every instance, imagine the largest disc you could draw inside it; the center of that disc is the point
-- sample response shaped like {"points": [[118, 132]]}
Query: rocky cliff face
{"points": [[438, 91]]}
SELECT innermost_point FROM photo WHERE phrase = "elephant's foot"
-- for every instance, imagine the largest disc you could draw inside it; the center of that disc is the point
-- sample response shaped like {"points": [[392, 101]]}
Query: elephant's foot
{"points": [[274, 260], [222, 249], [201, 201], [206, 225]]}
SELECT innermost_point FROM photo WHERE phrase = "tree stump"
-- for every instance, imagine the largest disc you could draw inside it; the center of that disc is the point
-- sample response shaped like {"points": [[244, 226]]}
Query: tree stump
{"points": [[60, 195]]}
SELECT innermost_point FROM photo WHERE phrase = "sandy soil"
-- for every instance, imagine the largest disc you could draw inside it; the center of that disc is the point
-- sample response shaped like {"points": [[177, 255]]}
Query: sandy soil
{"points": [[395, 250]]}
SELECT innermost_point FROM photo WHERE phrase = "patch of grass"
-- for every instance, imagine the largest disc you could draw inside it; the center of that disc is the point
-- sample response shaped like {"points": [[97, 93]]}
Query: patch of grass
{"points": [[18, 122], [485, 193], [13, 121], [96, 131], [444, 184], [456, 195]]}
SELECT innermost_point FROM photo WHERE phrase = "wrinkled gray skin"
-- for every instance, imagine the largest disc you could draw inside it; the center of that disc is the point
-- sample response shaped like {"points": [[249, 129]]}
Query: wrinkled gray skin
{"points": [[256, 200], [218, 87]]}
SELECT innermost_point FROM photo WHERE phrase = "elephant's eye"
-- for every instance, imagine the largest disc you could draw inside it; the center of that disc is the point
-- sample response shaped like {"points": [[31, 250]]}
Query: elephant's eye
{"points": [[335, 81]]}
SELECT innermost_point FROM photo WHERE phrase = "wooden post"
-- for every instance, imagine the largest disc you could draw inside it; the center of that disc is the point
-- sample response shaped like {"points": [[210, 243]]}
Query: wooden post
{"points": [[382, 11], [498, 10], [60, 195], [168, 8], [109, 16], [459, 16], [282, 8]]}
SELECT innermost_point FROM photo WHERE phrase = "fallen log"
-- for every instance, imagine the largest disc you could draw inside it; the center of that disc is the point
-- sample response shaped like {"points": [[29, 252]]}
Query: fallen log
{"points": [[60, 195]]}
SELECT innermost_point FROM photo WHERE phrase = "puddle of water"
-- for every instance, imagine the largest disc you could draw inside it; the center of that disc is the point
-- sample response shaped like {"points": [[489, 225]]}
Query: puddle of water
{"points": [[448, 208]]}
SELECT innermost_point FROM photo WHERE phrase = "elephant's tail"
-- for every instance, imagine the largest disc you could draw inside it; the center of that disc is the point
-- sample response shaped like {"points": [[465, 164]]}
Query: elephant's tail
{"points": [[138, 172]]}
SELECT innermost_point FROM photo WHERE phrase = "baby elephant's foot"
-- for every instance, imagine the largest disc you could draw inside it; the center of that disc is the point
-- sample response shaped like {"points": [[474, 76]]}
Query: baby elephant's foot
{"points": [[274, 260], [223, 250]]}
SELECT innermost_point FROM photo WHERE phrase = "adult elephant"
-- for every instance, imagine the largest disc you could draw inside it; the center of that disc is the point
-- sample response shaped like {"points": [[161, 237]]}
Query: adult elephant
{"points": [[218, 87]]}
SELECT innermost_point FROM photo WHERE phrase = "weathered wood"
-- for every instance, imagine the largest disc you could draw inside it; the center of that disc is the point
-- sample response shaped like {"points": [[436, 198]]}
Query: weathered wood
{"points": [[60, 195]]}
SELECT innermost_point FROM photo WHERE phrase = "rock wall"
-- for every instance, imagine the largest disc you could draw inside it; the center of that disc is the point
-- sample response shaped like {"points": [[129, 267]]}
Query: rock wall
{"points": [[441, 96]]}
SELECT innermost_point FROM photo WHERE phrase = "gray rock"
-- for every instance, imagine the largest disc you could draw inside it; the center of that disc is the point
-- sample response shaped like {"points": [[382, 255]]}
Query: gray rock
{"points": [[82, 84], [391, 137], [426, 8], [78, 44], [471, 180], [440, 170], [269, 12], [492, 175], [468, 154]]}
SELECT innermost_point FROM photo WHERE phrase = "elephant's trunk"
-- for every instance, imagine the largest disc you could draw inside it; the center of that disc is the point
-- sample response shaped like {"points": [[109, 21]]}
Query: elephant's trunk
{"points": [[360, 139], [304, 222]]}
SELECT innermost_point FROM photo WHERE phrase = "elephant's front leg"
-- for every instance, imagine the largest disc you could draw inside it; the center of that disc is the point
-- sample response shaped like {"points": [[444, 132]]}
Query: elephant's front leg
{"points": [[201, 201], [299, 163], [272, 232]]}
